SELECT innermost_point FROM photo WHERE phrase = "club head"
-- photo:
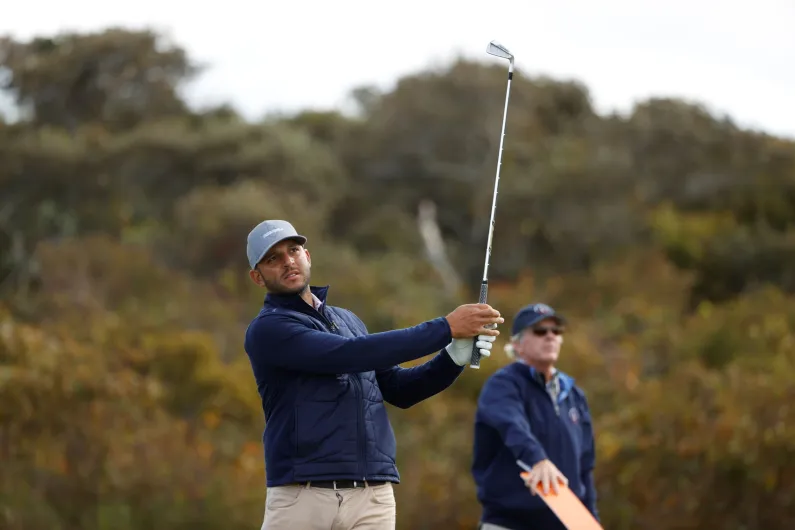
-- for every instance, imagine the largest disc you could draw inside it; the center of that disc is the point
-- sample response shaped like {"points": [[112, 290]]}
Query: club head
{"points": [[498, 50]]}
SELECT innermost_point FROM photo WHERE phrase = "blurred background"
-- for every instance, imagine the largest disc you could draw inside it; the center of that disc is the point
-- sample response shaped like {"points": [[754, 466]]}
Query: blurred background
{"points": [[647, 192]]}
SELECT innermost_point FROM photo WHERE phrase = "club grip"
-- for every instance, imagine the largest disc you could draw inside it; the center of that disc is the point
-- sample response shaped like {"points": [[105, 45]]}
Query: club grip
{"points": [[474, 361]]}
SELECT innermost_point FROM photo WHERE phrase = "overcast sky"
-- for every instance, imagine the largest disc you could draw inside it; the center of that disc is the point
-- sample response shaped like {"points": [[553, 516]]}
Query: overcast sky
{"points": [[738, 58]]}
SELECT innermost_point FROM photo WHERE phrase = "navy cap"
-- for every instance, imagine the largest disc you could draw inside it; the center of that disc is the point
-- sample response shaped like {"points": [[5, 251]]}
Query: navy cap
{"points": [[533, 314], [266, 234]]}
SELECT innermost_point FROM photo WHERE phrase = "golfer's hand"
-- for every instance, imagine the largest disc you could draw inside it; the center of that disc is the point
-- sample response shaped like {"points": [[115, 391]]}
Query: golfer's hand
{"points": [[460, 350], [470, 320], [548, 475]]}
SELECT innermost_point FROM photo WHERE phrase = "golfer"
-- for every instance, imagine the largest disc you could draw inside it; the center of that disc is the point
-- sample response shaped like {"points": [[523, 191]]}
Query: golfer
{"points": [[323, 380], [531, 411]]}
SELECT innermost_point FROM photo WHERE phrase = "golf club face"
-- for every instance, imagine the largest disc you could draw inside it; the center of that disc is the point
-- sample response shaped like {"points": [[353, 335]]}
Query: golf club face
{"points": [[498, 50]]}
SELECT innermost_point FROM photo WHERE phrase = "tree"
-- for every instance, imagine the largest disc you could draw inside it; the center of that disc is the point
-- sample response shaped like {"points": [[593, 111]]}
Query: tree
{"points": [[116, 77]]}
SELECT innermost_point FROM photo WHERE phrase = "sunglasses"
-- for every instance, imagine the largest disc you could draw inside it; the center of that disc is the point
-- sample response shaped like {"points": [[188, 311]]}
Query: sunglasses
{"points": [[540, 331]]}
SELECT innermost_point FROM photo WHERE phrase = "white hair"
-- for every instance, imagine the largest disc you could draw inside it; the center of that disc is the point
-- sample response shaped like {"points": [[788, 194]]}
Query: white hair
{"points": [[509, 349]]}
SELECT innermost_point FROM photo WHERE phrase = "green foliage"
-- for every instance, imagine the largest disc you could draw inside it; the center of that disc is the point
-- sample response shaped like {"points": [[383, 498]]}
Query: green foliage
{"points": [[117, 77], [126, 401]]}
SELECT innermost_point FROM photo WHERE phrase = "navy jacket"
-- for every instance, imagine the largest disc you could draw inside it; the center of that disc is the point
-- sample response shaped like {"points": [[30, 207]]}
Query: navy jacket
{"points": [[323, 381], [516, 419]]}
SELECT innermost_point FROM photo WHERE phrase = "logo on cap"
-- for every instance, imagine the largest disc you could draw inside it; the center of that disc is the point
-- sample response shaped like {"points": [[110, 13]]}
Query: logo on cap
{"points": [[541, 308], [269, 232]]}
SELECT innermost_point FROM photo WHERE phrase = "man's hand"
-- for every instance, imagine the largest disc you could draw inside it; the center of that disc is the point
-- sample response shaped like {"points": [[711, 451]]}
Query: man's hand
{"points": [[460, 350], [546, 473], [470, 320]]}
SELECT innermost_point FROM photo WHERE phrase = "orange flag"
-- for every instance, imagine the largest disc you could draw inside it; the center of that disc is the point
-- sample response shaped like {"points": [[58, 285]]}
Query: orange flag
{"points": [[566, 505]]}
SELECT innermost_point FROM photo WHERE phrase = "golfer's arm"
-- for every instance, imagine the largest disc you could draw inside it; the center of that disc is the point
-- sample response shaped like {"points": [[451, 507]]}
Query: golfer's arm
{"points": [[283, 342], [405, 387], [500, 407]]}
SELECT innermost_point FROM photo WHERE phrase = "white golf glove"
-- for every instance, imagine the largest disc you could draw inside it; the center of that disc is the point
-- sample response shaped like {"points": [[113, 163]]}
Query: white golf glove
{"points": [[460, 350]]}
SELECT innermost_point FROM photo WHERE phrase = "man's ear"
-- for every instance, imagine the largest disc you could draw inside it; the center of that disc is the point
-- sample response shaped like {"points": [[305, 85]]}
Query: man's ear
{"points": [[256, 277], [308, 257]]}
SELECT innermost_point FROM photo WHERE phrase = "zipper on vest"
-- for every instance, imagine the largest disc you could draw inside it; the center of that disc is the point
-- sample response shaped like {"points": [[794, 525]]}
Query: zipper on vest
{"points": [[362, 432], [360, 428], [329, 323]]}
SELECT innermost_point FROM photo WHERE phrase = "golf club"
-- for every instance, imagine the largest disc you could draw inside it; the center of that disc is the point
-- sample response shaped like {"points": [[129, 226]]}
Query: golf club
{"points": [[498, 50]]}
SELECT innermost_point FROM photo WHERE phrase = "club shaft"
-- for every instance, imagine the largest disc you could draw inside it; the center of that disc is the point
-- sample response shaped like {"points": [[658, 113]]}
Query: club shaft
{"points": [[484, 285], [497, 179], [524, 466]]}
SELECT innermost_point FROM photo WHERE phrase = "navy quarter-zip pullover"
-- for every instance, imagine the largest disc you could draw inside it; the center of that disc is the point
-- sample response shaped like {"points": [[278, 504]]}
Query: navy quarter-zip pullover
{"points": [[324, 380], [517, 419]]}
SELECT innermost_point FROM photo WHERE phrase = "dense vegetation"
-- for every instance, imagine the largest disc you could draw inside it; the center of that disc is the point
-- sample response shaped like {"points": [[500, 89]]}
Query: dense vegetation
{"points": [[126, 400]]}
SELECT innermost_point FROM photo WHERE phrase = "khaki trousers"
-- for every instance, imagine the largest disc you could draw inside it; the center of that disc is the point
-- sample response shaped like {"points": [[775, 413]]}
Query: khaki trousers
{"points": [[308, 508]]}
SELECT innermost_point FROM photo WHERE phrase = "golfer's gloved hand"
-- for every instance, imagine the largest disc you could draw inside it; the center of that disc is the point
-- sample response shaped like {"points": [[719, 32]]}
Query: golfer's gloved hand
{"points": [[460, 350]]}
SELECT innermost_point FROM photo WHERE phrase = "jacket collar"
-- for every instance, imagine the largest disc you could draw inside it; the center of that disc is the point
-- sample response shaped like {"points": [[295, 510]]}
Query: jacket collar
{"points": [[294, 301], [566, 381]]}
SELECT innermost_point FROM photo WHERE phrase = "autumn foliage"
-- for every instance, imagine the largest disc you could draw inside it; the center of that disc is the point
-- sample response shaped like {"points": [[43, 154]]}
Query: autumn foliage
{"points": [[127, 403]]}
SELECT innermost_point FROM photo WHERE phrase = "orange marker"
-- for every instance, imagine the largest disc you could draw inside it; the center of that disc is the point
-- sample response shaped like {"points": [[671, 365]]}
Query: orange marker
{"points": [[565, 504]]}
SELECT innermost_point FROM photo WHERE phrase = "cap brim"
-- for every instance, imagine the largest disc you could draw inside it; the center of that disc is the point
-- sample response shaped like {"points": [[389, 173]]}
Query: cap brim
{"points": [[301, 239]]}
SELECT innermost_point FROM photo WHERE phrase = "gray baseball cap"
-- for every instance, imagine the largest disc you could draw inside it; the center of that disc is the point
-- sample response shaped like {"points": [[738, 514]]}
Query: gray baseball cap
{"points": [[266, 234]]}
